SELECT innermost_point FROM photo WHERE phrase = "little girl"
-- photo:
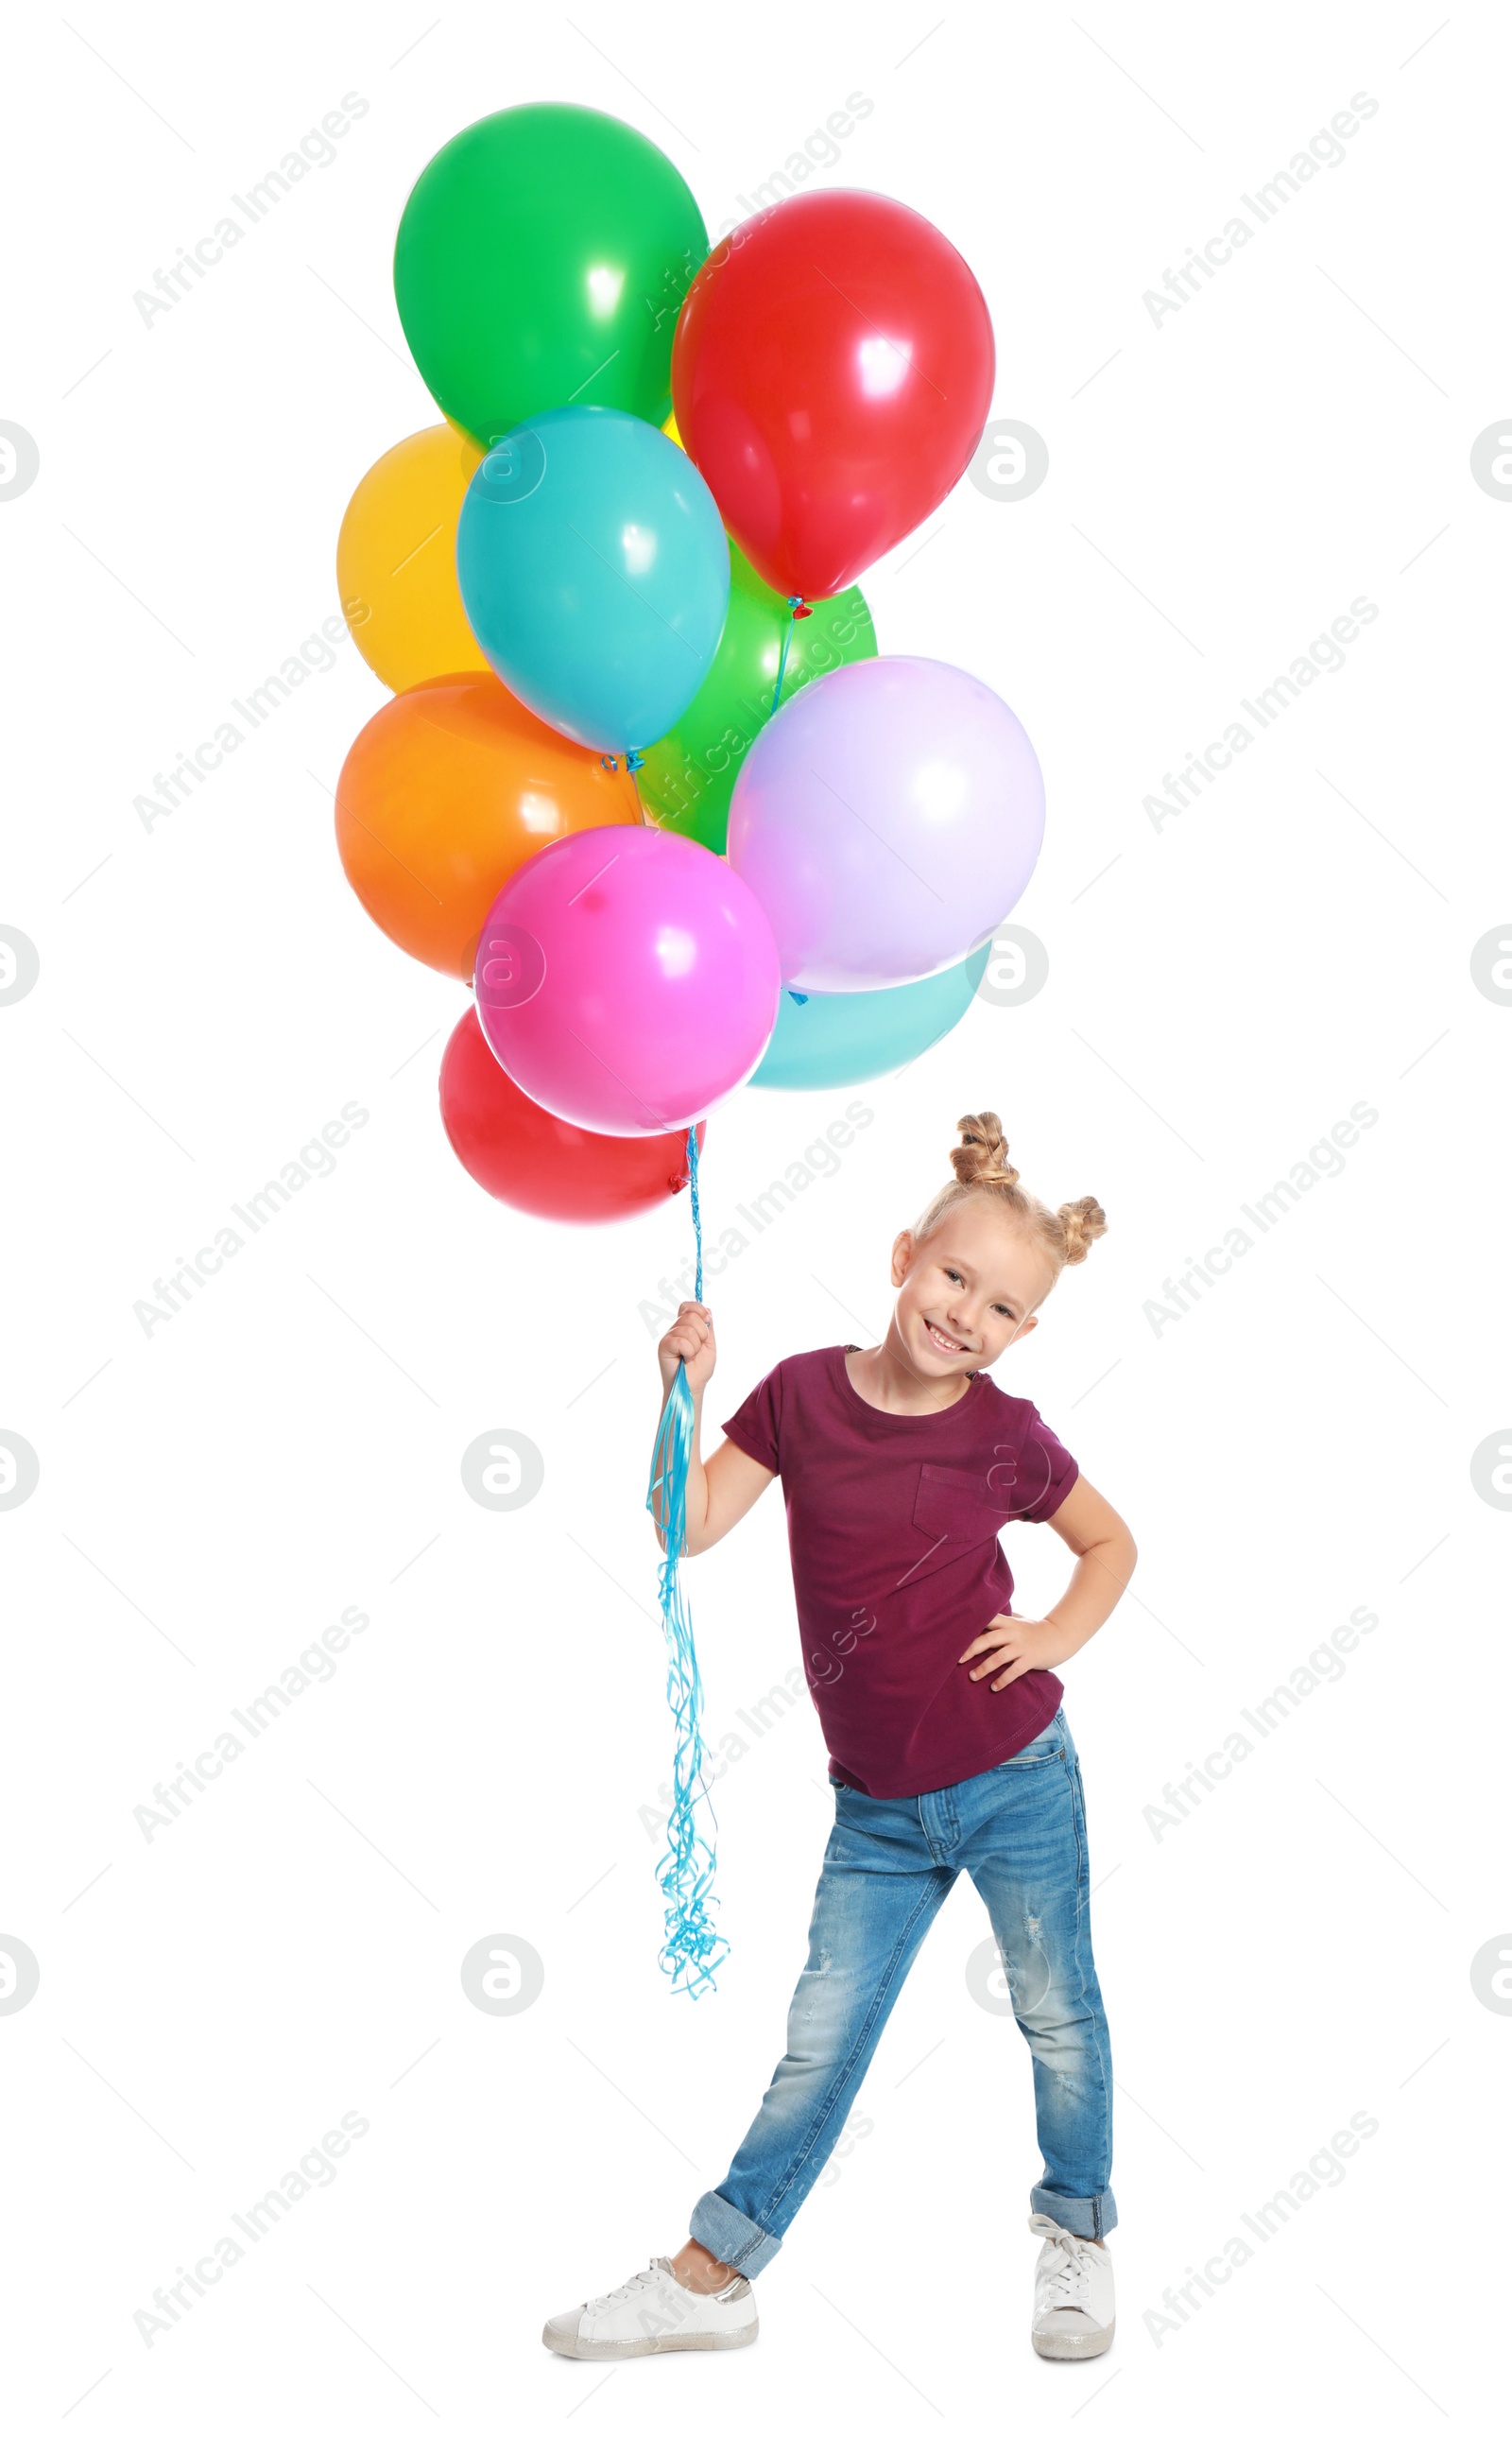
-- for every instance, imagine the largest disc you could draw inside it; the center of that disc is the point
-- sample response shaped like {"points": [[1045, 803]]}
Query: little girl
{"points": [[949, 1747]]}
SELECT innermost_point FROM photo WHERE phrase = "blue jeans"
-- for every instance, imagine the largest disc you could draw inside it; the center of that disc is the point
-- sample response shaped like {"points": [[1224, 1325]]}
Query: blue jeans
{"points": [[1021, 1831]]}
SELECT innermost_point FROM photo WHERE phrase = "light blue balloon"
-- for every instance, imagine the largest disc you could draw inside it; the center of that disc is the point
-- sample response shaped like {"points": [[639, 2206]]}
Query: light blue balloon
{"points": [[595, 573], [837, 1037]]}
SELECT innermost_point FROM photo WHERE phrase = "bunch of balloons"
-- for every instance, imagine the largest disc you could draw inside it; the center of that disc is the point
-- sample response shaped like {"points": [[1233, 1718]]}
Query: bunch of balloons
{"points": [[644, 781]]}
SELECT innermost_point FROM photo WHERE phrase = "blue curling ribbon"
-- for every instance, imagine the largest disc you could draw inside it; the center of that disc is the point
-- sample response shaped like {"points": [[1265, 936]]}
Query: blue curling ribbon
{"points": [[794, 603], [694, 1949], [635, 760]]}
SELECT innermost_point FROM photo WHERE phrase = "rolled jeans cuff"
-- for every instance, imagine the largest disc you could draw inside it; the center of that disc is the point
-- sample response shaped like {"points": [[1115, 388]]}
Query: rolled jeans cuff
{"points": [[732, 2236], [1091, 2219]]}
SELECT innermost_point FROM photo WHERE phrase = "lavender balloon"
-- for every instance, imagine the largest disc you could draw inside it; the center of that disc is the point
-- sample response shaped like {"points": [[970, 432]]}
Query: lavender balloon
{"points": [[887, 819]]}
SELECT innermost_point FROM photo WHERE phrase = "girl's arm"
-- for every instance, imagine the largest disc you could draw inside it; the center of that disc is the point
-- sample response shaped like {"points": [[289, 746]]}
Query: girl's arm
{"points": [[1105, 1551], [720, 1491]]}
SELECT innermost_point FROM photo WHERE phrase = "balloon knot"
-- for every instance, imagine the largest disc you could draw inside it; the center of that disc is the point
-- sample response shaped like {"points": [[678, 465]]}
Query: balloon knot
{"points": [[797, 604], [799, 998], [634, 760]]}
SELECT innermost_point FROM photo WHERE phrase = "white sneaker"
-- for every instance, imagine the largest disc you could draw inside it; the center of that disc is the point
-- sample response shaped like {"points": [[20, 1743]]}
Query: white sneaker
{"points": [[652, 2313], [1073, 2295]]}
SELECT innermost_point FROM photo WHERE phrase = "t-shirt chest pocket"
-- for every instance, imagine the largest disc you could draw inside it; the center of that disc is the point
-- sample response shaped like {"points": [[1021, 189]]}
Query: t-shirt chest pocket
{"points": [[956, 1510]]}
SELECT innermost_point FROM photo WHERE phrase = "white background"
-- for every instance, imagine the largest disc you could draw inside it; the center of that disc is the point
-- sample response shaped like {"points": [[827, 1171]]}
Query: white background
{"points": [[1221, 992]]}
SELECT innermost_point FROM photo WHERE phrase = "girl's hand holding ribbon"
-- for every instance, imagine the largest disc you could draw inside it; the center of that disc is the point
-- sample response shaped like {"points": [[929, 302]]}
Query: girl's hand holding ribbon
{"points": [[690, 1341]]}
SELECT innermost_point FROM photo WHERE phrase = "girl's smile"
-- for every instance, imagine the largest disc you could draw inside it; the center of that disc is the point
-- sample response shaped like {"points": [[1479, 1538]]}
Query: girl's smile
{"points": [[946, 1344]]}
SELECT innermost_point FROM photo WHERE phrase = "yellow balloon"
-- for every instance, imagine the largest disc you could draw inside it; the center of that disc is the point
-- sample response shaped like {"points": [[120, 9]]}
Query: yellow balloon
{"points": [[396, 560], [669, 426]]}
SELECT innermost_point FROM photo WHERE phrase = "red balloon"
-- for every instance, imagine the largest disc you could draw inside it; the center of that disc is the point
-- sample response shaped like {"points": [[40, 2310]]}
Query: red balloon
{"points": [[538, 1163], [831, 374]]}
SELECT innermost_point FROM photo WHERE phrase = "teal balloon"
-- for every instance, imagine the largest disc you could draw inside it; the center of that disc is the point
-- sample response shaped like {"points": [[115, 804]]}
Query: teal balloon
{"points": [[595, 573], [838, 1037]]}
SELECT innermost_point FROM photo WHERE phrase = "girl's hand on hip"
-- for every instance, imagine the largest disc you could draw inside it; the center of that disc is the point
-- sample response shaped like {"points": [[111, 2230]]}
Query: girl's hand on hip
{"points": [[690, 1341], [1016, 1644]]}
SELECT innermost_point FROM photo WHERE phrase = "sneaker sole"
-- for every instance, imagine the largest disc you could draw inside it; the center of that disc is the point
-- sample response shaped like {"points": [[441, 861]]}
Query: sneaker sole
{"points": [[573, 2348], [1075, 2347]]}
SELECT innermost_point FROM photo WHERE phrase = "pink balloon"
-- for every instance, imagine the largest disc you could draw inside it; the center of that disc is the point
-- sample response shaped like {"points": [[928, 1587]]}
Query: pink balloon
{"points": [[627, 980], [887, 818]]}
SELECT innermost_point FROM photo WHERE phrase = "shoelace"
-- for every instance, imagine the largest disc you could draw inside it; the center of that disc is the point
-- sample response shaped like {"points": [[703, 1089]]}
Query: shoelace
{"points": [[1063, 2287], [635, 2284]]}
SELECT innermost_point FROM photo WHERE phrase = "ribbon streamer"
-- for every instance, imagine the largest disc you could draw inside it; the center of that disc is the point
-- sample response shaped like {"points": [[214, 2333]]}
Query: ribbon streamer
{"points": [[694, 1949], [796, 602], [635, 759]]}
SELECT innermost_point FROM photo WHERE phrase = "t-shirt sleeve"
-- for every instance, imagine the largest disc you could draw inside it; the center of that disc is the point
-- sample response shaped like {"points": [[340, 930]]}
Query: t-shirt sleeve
{"points": [[1046, 1472], [756, 1429]]}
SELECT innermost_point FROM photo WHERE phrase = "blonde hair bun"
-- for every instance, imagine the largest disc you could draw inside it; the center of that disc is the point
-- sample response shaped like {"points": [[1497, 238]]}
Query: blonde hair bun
{"points": [[1082, 1221], [981, 1156]]}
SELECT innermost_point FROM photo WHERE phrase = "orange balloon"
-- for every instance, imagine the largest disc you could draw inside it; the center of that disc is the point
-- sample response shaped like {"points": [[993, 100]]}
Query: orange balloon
{"points": [[445, 793]]}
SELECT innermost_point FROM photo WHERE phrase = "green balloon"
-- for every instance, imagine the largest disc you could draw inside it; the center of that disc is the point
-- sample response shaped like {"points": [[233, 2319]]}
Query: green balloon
{"points": [[542, 260], [689, 778]]}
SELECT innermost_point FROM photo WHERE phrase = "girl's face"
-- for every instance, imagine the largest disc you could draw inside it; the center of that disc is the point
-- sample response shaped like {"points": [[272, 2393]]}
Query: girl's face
{"points": [[967, 1291]]}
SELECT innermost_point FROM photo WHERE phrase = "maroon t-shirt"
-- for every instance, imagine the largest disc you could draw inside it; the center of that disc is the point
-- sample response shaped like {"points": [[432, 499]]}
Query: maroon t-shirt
{"points": [[892, 1524]]}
